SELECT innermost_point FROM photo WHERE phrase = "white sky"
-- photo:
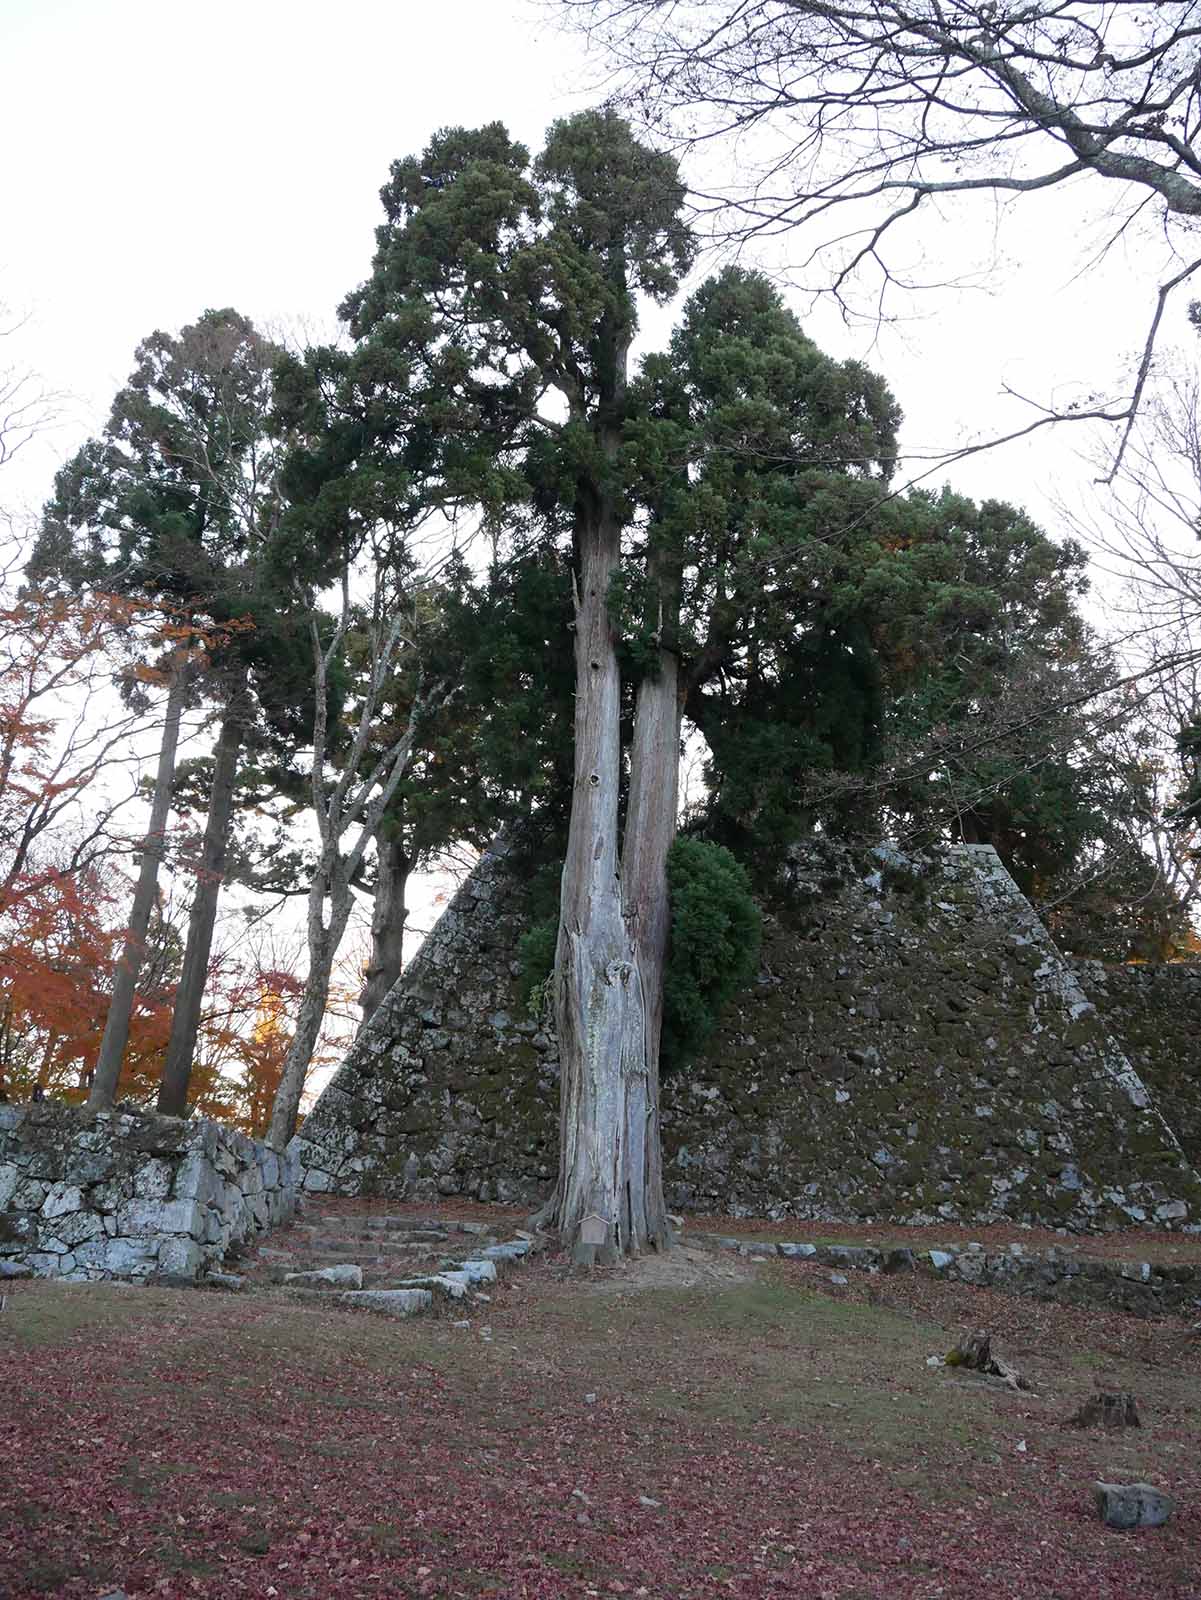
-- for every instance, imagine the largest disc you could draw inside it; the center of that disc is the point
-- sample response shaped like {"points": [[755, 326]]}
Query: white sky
{"points": [[165, 157]]}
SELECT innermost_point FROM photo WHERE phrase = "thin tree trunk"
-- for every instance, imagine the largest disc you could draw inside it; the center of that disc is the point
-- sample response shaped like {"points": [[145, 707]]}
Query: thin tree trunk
{"points": [[125, 975], [189, 997], [388, 917], [323, 940]]}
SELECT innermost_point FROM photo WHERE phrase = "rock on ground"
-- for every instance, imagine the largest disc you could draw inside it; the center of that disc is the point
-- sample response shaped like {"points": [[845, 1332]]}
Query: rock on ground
{"points": [[1132, 1505]]}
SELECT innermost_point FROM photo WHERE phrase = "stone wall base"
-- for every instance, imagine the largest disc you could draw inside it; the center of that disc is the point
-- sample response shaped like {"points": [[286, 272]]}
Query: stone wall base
{"points": [[129, 1194]]}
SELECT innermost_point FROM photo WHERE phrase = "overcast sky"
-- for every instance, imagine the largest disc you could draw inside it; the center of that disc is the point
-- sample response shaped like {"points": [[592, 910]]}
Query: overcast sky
{"points": [[166, 157]]}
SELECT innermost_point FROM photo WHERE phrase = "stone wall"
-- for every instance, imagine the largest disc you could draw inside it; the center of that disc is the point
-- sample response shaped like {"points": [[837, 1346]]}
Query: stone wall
{"points": [[915, 1048], [1147, 1288], [130, 1194], [451, 1088], [1156, 1013]]}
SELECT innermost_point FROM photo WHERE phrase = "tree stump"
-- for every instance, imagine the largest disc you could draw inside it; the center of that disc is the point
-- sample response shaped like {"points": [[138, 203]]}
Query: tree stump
{"points": [[974, 1352], [1106, 1410]]}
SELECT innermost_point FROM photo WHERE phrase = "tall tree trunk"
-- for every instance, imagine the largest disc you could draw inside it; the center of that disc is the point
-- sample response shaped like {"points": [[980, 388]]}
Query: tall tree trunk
{"points": [[651, 814], [323, 940], [185, 1019], [609, 1163], [125, 975], [388, 915]]}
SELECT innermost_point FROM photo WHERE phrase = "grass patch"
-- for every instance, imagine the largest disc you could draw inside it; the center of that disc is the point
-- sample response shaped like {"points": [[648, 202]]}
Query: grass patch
{"points": [[41, 1314]]}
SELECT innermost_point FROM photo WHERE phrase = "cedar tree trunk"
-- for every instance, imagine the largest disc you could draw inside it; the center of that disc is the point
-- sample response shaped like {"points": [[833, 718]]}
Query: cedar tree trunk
{"points": [[609, 1161], [185, 1019], [125, 975]]}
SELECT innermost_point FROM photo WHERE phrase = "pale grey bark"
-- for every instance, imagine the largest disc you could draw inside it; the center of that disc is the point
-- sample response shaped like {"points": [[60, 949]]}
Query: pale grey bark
{"points": [[607, 1020], [388, 918], [324, 937], [651, 814], [356, 802], [189, 997], [125, 975]]}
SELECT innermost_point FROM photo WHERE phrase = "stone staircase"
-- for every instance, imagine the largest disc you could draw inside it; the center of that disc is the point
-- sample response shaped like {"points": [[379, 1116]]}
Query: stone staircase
{"points": [[376, 1260]]}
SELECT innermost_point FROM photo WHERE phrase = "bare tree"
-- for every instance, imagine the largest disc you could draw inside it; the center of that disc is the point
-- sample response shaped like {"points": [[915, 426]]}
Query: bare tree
{"points": [[866, 114], [348, 810], [27, 407]]}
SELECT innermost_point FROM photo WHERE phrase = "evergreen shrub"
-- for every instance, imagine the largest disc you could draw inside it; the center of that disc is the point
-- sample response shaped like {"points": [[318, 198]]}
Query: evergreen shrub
{"points": [[716, 930]]}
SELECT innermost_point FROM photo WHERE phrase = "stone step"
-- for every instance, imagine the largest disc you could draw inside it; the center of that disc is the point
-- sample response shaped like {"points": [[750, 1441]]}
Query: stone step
{"points": [[331, 1230], [345, 1275], [386, 1302], [375, 1224], [352, 1249], [454, 1283]]}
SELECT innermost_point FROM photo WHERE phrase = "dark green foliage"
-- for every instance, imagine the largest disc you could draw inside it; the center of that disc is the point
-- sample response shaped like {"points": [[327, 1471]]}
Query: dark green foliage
{"points": [[1187, 810], [761, 462], [716, 931], [536, 952]]}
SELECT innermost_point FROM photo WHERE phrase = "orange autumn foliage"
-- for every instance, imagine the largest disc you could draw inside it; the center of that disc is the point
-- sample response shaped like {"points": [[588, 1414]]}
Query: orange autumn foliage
{"points": [[57, 948]]}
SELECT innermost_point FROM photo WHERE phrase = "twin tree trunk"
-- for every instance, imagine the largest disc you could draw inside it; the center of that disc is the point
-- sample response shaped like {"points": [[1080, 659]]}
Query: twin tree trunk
{"points": [[613, 928], [125, 976], [185, 1020]]}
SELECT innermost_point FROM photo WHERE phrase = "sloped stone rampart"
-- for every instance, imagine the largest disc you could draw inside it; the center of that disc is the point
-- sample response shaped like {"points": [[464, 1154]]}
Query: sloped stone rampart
{"points": [[915, 1048], [451, 1088], [130, 1194], [1156, 1013]]}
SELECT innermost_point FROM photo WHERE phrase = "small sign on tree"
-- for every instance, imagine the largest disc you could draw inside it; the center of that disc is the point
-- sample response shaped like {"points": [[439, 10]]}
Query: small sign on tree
{"points": [[593, 1229]]}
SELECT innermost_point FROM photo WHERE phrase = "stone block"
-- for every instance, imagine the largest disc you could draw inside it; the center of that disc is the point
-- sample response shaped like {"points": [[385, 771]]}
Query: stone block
{"points": [[479, 1271], [195, 1178], [230, 1281], [390, 1302], [800, 1252], [10, 1176], [146, 1217], [269, 1168], [181, 1258], [61, 1199], [250, 1181], [117, 1257], [44, 1264], [108, 1196], [1132, 1505], [153, 1179], [898, 1259], [346, 1275], [512, 1251], [78, 1227], [452, 1285]]}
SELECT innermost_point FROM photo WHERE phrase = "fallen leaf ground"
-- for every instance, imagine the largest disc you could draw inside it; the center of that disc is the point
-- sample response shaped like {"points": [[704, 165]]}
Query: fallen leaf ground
{"points": [[774, 1436]]}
